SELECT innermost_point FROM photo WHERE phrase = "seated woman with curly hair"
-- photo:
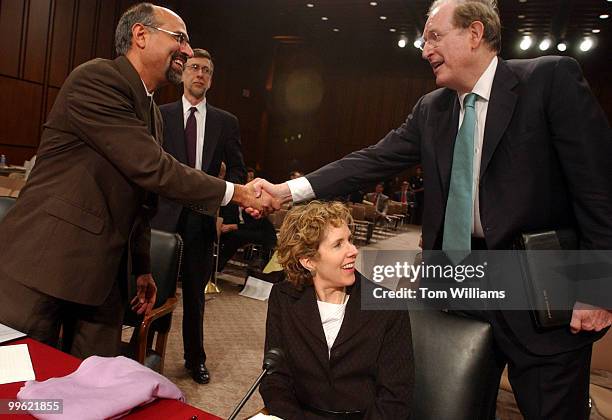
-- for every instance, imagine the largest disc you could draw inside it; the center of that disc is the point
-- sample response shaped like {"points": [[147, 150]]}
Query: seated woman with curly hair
{"points": [[341, 362]]}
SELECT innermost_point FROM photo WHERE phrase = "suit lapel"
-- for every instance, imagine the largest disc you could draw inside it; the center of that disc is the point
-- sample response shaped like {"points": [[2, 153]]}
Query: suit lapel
{"points": [[446, 120], [354, 317], [141, 100], [305, 308], [212, 132], [499, 113]]}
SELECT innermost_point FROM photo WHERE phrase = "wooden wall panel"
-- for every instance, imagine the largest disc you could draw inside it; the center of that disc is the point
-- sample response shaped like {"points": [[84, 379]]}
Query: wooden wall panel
{"points": [[105, 45], [11, 26], [19, 112], [36, 40], [85, 29], [60, 48]]}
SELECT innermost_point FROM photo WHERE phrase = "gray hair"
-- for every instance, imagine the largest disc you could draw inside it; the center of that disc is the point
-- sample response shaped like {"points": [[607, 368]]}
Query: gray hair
{"points": [[140, 13], [485, 11]]}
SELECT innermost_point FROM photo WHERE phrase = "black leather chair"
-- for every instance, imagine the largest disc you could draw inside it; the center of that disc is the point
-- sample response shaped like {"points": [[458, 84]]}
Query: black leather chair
{"points": [[5, 204], [453, 361], [166, 254]]}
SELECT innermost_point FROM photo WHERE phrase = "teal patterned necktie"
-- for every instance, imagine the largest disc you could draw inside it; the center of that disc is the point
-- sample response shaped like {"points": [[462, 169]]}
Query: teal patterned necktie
{"points": [[458, 219]]}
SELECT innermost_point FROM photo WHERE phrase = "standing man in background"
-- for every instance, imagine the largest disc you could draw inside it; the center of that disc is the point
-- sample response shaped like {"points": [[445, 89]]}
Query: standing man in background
{"points": [[492, 123], [201, 136], [81, 224]]}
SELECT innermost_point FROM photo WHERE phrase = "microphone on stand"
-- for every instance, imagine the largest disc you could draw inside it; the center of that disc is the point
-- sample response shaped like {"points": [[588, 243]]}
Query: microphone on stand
{"points": [[272, 359]]}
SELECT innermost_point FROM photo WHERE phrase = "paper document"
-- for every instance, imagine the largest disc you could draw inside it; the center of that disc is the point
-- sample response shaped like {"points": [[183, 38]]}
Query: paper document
{"points": [[15, 364], [256, 288], [8, 334]]}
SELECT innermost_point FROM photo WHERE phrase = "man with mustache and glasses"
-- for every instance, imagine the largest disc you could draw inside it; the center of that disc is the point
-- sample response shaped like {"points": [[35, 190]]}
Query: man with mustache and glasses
{"points": [[81, 224], [201, 136], [492, 123]]}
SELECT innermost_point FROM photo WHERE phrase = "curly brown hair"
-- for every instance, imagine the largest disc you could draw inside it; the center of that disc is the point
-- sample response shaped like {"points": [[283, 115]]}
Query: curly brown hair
{"points": [[302, 232]]}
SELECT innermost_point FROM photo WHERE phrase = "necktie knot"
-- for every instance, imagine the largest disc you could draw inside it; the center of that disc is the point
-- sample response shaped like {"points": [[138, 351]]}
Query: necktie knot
{"points": [[192, 110], [469, 100]]}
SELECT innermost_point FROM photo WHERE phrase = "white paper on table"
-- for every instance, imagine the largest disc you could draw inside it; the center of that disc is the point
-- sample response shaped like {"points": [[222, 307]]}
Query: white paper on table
{"points": [[15, 364], [8, 334], [256, 289]]}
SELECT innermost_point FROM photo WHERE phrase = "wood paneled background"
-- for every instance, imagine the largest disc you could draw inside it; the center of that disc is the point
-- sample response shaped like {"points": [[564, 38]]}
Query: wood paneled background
{"points": [[300, 104]]}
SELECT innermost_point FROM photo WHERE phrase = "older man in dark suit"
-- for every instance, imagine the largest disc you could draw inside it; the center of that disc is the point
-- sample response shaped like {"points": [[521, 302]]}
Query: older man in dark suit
{"points": [[201, 136], [81, 224], [492, 123]]}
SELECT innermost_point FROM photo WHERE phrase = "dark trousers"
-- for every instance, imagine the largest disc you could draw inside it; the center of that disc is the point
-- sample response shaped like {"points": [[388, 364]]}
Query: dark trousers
{"points": [[87, 330], [261, 233], [545, 386], [198, 233]]}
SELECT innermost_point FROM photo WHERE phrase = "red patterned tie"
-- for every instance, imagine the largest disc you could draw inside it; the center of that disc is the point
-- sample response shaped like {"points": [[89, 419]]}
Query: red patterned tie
{"points": [[191, 137]]}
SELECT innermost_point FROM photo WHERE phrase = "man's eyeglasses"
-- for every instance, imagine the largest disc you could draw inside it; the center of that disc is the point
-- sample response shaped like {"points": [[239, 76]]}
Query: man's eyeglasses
{"points": [[196, 69], [432, 38], [179, 37]]}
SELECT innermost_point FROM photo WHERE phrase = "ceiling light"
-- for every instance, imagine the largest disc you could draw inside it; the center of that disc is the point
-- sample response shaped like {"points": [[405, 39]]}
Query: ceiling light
{"points": [[324, 18], [596, 31], [604, 16], [336, 30], [586, 44], [525, 43], [521, 16], [418, 43], [392, 29], [309, 5], [383, 17], [561, 46], [522, 1], [402, 42], [545, 44], [373, 3]]}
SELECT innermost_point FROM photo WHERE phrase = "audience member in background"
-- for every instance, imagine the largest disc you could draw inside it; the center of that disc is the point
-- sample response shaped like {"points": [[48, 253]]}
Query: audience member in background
{"points": [[404, 194], [81, 224], [201, 136], [295, 174], [340, 361], [380, 201], [239, 229], [356, 196]]}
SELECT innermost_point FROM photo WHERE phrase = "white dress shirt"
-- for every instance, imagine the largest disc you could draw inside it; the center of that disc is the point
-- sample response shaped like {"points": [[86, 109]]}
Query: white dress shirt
{"points": [[200, 116], [332, 315], [302, 190]]}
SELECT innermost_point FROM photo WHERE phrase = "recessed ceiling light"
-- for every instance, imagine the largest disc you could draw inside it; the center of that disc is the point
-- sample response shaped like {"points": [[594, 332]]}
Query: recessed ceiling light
{"points": [[525, 43], [521, 16], [402, 42], [309, 5], [373, 3], [336, 30], [596, 31], [392, 29], [383, 17], [324, 18], [604, 16], [586, 45], [545, 44], [522, 1], [561, 46]]}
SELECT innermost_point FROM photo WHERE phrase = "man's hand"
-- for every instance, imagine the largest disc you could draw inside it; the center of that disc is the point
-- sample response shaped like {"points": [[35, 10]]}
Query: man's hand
{"points": [[229, 228], [146, 291], [586, 317], [259, 202], [280, 192]]}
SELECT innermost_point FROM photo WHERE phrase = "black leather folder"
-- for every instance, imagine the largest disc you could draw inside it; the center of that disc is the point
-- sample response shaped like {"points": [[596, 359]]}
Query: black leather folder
{"points": [[548, 281]]}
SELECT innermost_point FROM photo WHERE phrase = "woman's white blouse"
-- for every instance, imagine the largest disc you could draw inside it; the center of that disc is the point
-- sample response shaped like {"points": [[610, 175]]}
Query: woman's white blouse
{"points": [[332, 315]]}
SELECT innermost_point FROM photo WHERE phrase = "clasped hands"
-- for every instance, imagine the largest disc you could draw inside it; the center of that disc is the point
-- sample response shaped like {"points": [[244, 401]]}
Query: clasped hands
{"points": [[260, 198]]}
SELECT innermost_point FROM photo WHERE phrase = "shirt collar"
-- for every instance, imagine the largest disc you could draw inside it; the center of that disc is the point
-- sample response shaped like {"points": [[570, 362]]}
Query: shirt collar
{"points": [[483, 86], [201, 107], [149, 94]]}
